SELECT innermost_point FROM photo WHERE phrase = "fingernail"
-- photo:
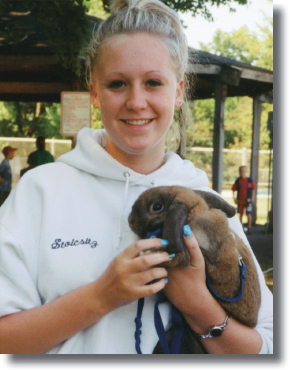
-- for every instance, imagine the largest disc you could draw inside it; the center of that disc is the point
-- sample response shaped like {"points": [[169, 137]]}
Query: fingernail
{"points": [[187, 231], [165, 281], [171, 255], [164, 242]]}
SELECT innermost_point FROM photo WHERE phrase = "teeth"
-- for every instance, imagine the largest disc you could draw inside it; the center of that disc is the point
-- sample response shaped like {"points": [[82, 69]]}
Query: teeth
{"points": [[138, 122]]}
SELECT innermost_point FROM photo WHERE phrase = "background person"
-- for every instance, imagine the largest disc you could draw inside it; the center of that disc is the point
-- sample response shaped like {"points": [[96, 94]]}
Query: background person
{"points": [[40, 156], [244, 186], [6, 173], [70, 267]]}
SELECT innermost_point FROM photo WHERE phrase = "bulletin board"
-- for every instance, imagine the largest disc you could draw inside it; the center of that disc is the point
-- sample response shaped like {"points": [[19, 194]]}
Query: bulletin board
{"points": [[75, 112]]}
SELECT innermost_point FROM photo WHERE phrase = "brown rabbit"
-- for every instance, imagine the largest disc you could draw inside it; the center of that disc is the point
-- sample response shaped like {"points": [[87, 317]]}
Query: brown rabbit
{"points": [[170, 208]]}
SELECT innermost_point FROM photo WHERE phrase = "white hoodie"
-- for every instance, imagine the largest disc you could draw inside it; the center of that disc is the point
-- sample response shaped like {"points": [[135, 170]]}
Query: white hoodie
{"points": [[62, 225]]}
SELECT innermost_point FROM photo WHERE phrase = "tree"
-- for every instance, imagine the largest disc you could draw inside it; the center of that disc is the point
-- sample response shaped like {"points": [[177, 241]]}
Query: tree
{"points": [[247, 47], [20, 119], [195, 7], [65, 23], [240, 45], [96, 9]]}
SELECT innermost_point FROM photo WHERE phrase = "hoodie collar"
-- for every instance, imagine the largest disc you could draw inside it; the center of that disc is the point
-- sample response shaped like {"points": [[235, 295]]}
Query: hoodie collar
{"points": [[91, 156]]}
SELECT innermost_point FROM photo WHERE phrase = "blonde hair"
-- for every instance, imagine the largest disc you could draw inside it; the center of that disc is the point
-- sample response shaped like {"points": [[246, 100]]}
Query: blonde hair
{"points": [[148, 16]]}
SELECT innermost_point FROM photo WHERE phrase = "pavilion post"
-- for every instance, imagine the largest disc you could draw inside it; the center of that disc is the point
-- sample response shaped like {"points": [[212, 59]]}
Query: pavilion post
{"points": [[218, 136], [257, 112]]}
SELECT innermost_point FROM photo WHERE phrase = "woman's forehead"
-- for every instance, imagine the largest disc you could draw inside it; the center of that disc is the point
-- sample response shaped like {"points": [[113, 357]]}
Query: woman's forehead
{"points": [[127, 52]]}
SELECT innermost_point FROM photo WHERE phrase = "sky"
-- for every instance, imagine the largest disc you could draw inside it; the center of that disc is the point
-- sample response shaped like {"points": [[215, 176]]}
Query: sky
{"points": [[201, 30]]}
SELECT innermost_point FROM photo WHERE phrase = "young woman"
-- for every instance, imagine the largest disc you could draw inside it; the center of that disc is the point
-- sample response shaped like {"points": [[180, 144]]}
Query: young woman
{"points": [[70, 267]]}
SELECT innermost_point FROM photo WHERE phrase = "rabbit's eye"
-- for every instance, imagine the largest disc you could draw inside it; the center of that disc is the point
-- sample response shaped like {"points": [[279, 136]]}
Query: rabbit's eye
{"points": [[157, 207]]}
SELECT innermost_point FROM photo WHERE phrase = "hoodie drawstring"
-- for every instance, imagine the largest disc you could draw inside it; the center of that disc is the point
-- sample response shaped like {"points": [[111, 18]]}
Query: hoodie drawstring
{"points": [[119, 232]]}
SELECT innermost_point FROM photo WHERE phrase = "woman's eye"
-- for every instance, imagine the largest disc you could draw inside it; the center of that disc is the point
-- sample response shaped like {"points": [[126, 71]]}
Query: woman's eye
{"points": [[157, 207], [116, 84], [153, 83]]}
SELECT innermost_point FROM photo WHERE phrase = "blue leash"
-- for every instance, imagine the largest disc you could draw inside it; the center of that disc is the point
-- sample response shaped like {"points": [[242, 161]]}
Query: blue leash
{"points": [[138, 323], [178, 322], [238, 297]]}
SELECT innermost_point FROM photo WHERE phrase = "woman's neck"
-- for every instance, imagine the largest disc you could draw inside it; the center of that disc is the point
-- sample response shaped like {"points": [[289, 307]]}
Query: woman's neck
{"points": [[144, 163], [143, 167]]}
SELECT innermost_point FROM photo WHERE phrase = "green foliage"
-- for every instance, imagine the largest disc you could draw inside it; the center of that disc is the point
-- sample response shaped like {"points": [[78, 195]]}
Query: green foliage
{"points": [[238, 123], [245, 46], [203, 114], [195, 7], [96, 119], [20, 119], [65, 23], [266, 45], [239, 45], [95, 8], [68, 27], [36, 119]]}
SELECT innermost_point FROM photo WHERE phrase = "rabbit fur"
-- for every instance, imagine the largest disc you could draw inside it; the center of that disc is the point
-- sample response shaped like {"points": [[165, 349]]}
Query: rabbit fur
{"points": [[170, 208]]}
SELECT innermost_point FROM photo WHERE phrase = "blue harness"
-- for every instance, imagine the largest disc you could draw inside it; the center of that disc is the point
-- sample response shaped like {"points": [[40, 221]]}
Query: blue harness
{"points": [[178, 322]]}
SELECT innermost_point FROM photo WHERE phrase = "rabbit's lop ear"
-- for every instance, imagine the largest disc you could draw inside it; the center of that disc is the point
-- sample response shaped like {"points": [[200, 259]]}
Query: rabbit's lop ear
{"points": [[215, 201], [173, 227]]}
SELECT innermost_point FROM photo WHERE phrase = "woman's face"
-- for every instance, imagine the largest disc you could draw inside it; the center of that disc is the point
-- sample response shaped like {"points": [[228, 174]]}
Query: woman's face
{"points": [[136, 89]]}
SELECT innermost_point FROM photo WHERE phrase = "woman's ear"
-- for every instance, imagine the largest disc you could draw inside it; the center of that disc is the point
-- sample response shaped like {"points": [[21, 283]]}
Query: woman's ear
{"points": [[179, 94], [94, 96]]}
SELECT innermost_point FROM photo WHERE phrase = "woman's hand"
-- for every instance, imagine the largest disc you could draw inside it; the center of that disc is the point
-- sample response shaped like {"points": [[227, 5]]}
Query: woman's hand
{"points": [[187, 284], [127, 277]]}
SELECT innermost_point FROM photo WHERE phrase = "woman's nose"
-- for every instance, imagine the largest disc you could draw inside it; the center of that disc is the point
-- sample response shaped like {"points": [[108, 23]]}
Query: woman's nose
{"points": [[136, 99]]}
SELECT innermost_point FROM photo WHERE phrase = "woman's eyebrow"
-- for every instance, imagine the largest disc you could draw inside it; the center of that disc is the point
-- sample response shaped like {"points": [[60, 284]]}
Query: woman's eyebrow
{"points": [[124, 74], [116, 73]]}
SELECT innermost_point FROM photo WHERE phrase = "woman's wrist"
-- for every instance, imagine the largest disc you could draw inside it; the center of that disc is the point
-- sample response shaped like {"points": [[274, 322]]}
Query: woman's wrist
{"points": [[201, 317], [100, 304]]}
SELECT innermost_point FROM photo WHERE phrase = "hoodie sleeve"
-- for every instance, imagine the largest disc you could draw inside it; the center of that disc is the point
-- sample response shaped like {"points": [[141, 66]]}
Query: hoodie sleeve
{"points": [[20, 227], [18, 290], [265, 315]]}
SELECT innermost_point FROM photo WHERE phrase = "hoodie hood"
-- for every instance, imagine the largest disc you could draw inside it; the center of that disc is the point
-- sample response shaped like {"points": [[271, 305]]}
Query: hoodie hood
{"points": [[90, 156]]}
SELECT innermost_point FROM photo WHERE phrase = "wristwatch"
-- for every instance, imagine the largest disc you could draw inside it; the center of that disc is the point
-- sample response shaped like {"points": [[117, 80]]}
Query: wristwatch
{"points": [[215, 331]]}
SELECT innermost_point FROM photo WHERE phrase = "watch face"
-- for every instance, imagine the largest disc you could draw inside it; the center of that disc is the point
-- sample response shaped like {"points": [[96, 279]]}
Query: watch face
{"points": [[216, 332]]}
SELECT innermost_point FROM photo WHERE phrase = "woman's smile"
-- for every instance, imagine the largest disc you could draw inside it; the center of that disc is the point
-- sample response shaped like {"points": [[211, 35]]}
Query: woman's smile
{"points": [[137, 122]]}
